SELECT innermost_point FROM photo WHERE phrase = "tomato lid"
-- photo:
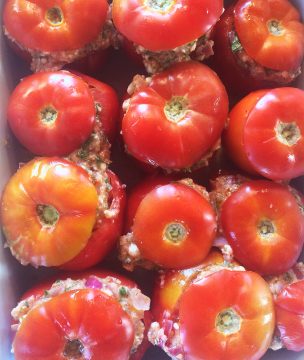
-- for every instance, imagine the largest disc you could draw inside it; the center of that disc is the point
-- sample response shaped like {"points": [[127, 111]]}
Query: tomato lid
{"points": [[273, 134]]}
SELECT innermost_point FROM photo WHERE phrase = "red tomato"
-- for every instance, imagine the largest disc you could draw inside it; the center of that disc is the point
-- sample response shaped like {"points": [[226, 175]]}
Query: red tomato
{"points": [[176, 120], [45, 224], [163, 25], [64, 322], [138, 193], [290, 316], [268, 125], [171, 284], [54, 25], [106, 103], [168, 232], [264, 225], [51, 113], [259, 60], [106, 230], [227, 315]]}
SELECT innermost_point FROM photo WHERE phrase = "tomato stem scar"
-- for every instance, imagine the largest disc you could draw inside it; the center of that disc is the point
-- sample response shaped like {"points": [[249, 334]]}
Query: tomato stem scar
{"points": [[175, 232], [47, 214], [275, 27], [48, 115], [73, 349], [175, 109], [54, 16], [159, 5], [228, 322], [266, 228], [287, 133]]}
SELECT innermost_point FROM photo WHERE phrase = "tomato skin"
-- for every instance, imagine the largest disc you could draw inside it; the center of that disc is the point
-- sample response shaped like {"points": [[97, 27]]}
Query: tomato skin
{"points": [[26, 22], [105, 233], [173, 204], [50, 183], [183, 21], [104, 96], [290, 316], [62, 92], [257, 206], [138, 193], [244, 292], [278, 52], [252, 136], [77, 313], [171, 284], [151, 137]]}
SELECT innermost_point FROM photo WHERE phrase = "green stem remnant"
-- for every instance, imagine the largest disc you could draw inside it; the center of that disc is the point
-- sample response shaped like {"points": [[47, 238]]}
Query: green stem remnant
{"points": [[287, 133], [176, 108], [175, 233], [275, 27], [47, 214], [54, 16], [228, 322], [48, 115], [159, 5]]}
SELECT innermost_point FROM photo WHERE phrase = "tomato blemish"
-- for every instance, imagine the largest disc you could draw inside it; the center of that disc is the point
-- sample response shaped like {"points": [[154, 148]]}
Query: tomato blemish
{"points": [[287, 133]]}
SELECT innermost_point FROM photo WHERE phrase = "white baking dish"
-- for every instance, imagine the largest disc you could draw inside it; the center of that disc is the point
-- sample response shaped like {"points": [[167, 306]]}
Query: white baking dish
{"points": [[14, 278]]}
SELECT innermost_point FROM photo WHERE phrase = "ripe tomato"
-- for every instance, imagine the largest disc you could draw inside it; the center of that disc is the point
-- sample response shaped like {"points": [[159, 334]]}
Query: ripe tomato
{"points": [[168, 232], [289, 307], [268, 124], [172, 283], [64, 322], [138, 193], [163, 25], [258, 44], [54, 25], [45, 224], [51, 113], [176, 120], [227, 315], [264, 225], [106, 230], [106, 104]]}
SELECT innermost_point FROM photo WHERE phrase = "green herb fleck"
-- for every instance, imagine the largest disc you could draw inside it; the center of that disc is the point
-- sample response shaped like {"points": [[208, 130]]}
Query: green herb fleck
{"points": [[236, 44], [46, 293], [123, 292]]}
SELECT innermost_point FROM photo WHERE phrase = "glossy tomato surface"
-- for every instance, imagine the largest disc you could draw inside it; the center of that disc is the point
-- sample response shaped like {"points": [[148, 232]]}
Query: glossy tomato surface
{"points": [[51, 113], [290, 316], [63, 25], [227, 315], [106, 230], [45, 224], [263, 223], [268, 124], [168, 232], [86, 322], [163, 25], [176, 120], [270, 32], [106, 104]]}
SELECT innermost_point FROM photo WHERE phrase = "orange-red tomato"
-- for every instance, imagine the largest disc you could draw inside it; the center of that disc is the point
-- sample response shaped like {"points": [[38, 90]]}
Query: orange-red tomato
{"points": [[54, 25], [51, 113], [268, 125], [172, 283], [168, 232], [163, 25], [176, 120], [106, 230], [43, 221], [227, 315], [64, 322], [263, 223], [289, 307], [271, 33]]}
